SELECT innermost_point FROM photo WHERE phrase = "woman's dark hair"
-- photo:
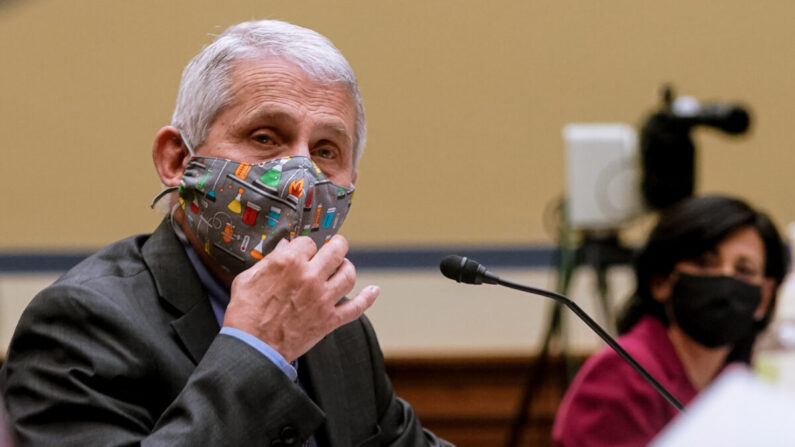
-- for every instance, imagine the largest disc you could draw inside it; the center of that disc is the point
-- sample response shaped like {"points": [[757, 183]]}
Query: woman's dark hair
{"points": [[689, 229]]}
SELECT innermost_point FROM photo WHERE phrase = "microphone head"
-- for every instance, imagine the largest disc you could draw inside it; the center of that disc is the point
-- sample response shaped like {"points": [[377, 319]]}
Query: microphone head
{"points": [[735, 120], [451, 266], [732, 118], [465, 270]]}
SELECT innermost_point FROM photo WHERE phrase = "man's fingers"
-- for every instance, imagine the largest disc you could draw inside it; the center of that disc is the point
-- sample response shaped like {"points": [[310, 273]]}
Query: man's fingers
{"points": [[300, 249], [302, 244], [342, 281], [352, 309], [330, 257]]}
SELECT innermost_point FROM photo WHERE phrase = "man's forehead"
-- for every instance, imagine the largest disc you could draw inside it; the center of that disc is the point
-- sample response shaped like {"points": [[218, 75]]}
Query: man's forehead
{"points": [[280, 66], [279, 79]]}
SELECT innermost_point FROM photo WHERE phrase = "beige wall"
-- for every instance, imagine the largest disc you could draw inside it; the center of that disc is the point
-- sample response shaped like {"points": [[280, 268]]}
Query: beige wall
{"points": [[465, 99]]}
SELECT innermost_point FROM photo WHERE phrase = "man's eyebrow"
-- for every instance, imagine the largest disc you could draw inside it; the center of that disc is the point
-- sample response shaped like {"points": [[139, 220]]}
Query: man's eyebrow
{"points": [[271, 113], [276, 114], [337, 128]]}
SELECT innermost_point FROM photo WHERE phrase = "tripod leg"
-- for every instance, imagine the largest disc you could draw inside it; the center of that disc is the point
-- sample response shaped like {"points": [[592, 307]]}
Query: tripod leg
{"points": [[566, 266], [534, 377], [604, 298]]}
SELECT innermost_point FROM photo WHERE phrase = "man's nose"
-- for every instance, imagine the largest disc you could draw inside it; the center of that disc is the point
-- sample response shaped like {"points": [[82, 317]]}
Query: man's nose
{"points": [[300, 148]]}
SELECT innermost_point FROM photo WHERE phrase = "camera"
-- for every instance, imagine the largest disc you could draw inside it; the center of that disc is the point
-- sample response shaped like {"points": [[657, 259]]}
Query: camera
{"points": [[667, 151], [613, 174]]}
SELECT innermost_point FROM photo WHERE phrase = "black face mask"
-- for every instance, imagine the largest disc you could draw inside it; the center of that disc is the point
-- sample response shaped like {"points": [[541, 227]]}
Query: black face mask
{"points": [[714, 310]]}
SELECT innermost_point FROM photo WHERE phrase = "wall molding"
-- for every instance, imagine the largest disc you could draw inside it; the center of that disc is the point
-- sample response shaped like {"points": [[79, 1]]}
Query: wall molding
{"points": [[535, 257]]}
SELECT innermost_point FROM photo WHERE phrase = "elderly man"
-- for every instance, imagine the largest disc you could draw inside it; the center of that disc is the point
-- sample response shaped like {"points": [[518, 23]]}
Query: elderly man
{"points": [[227, 325]]}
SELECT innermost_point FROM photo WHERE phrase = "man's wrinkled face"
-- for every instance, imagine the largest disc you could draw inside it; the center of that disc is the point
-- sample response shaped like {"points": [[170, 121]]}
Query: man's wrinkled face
{"points": [[276, 111]]}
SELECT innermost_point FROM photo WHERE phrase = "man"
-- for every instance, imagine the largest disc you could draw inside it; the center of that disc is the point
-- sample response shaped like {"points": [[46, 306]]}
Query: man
{"points": [[126, 348]]}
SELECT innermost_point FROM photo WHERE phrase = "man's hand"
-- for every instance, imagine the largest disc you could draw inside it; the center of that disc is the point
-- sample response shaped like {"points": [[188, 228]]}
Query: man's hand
{"points": [[290, 299]]}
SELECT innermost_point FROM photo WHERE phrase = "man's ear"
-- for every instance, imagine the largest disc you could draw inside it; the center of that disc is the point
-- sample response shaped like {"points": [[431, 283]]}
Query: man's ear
{"points": [[170, 155]]}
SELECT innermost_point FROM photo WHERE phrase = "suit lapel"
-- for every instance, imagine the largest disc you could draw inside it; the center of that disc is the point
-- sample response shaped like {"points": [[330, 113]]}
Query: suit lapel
{"points": [[197, 330], [328, 384], [178, 285]]}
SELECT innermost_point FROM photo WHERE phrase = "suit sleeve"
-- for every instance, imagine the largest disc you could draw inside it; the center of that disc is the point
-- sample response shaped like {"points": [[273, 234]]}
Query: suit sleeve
{"points": [[79, 373], [398, 423]]}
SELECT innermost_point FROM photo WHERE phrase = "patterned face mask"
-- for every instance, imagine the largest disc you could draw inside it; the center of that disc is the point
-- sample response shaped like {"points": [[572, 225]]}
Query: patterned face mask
{"points": [[240, 211]]}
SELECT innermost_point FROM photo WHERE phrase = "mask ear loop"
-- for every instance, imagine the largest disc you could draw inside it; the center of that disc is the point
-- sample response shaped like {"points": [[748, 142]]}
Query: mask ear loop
{"points": [[177, 229], [162, 194], [171, 189]]}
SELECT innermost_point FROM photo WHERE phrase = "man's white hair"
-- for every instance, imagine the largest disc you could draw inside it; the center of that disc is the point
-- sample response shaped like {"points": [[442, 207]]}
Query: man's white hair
{"points": [[205, 86]]}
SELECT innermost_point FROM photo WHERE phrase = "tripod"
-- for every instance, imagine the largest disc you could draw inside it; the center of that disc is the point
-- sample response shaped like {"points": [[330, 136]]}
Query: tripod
{"points": [[599, 250]]}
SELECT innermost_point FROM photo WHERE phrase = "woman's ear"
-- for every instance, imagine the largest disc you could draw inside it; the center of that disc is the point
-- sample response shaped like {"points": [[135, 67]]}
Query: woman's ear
{"points": [[661, 286], [768, 289], [170, 155]]}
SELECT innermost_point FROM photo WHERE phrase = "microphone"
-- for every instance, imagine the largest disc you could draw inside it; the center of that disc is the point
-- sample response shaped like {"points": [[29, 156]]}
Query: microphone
{"points": [[466, 270], [732, 118], [469, 271]]}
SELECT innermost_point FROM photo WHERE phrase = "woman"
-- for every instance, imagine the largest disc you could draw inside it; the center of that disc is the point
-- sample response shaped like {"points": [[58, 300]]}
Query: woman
{"points": [[706, 286]]}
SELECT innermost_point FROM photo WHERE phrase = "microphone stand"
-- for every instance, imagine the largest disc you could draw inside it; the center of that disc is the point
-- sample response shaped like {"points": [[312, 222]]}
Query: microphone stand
{"points": [[602, 333], [600, 251], [469, 271]]}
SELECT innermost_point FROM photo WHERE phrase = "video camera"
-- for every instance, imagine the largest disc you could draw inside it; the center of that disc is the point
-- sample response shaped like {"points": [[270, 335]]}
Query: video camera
{"points": [[667, 150]]}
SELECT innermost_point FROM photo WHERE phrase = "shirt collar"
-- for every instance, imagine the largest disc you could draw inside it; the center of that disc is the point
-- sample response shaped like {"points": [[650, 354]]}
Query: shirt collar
{"points": [[217, 291]]}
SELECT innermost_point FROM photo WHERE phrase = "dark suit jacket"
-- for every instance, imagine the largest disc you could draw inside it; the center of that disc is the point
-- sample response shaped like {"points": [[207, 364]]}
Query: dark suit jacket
{"points": [[124, 349]]}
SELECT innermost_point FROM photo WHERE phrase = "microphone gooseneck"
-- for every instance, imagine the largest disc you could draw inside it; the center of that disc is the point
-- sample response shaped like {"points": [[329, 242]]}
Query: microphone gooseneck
{"points": [[469, 271]]}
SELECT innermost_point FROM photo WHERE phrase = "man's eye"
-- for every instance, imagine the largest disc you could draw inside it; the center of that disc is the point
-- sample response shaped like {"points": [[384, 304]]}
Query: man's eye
{"points": [[264, 139], [324, 153]]}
